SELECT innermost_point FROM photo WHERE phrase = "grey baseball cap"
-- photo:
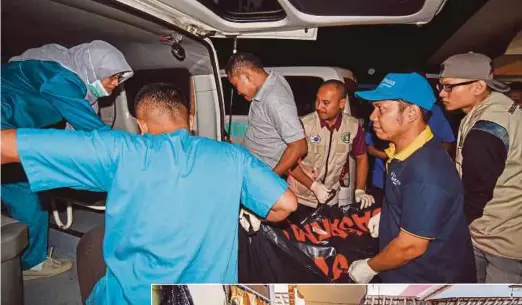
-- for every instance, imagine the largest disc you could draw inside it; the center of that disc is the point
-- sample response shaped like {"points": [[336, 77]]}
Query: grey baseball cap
{"points": [[472, 66]]}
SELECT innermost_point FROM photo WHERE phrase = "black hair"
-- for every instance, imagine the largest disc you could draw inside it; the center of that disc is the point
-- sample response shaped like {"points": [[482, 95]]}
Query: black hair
{"points": [[163, 97], [243, 61]]}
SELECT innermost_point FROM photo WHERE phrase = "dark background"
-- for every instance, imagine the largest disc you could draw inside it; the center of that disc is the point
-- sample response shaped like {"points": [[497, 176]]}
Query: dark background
{"points": [[385, 48]]}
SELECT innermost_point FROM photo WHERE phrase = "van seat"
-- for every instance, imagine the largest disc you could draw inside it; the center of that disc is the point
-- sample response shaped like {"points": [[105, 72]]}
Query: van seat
{"points": [[15, 238]]}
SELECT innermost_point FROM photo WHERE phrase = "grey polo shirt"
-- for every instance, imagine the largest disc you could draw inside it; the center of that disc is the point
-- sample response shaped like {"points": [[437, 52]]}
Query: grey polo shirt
{"points": [[272, 120]]}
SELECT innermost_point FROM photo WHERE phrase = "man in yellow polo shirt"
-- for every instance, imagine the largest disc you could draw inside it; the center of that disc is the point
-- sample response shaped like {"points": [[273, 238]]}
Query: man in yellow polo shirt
{"points": [[423, 233]]}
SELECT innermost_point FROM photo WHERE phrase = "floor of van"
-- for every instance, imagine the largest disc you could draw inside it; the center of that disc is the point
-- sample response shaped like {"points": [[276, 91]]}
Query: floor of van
{"points": [[63, 289]]}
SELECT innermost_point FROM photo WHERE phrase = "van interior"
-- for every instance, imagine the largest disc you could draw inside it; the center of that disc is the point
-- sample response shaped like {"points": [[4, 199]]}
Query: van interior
{"points": [[157, 51], [149, 45]]}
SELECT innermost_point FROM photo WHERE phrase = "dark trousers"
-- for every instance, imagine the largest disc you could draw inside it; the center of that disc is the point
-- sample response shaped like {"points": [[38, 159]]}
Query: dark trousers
{"points": [[90, 264]]}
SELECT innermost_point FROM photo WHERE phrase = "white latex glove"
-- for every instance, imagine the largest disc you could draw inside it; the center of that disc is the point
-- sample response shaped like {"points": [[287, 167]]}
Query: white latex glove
{"points": [[320, 191], [361, 272], [249, 221], [373, 225], [365, 199]]}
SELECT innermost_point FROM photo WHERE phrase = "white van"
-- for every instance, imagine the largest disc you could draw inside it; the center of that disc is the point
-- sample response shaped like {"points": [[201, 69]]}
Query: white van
{"points": [[168, 40]]}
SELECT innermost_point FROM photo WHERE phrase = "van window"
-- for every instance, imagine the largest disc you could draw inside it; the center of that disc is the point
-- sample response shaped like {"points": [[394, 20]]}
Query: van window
{"points": [[358, 8], [361, 109], [246, 11], [179, 77], [304, 89]]}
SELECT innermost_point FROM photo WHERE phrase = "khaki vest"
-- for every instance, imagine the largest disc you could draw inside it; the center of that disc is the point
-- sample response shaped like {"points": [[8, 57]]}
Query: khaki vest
{"points": [[499, 230], [326, 158]]}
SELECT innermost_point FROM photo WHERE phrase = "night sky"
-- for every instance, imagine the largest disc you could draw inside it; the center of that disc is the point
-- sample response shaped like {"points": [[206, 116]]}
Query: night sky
{"points": [[385, 48]]}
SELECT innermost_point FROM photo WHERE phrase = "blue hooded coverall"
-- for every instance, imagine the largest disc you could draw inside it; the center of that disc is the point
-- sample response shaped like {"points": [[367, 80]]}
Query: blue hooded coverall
{"points": [[39, 94], [39, 90]]}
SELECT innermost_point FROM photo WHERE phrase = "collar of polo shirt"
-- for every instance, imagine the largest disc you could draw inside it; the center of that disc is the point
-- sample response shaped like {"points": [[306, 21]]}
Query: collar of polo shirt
{"points": [[419, 141], [258, 97]]}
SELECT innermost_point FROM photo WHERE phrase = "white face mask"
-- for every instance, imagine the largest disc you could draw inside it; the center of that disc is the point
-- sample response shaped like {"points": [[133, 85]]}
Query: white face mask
{"points": [[97, 89]]}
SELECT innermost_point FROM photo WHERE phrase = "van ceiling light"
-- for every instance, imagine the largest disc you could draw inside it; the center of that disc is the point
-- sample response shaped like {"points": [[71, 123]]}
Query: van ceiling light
{"points": [[174, 41]]}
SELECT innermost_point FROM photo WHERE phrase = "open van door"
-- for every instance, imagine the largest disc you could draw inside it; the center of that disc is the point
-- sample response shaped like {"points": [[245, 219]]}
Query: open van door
{"points": [[284, 19]]}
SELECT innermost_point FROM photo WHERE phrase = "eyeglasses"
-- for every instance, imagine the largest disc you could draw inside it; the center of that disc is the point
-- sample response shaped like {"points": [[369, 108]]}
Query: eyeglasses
{"points": [[449, 87]]}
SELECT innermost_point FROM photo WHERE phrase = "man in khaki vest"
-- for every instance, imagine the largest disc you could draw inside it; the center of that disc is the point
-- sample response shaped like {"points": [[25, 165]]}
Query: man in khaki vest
{"points": [[331, 137], [489, 161]]}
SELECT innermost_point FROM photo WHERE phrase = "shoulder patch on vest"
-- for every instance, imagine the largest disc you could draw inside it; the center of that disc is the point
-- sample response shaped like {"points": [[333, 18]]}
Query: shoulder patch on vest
{"points": [[493, 129], [514, 107], [315, 138], [345, 138]]}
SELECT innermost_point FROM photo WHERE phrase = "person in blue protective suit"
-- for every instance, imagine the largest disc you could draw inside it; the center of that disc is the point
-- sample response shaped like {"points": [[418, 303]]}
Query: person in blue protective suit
{"points": [[43, 87], [173, 199]]}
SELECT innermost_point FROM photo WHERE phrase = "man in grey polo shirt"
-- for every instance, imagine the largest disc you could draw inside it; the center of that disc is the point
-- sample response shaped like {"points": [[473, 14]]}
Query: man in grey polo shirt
{"points": [[275, 134]]}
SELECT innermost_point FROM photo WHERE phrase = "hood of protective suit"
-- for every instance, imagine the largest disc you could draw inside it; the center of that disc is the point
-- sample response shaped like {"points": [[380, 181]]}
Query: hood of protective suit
{"points": [[91, 61]]}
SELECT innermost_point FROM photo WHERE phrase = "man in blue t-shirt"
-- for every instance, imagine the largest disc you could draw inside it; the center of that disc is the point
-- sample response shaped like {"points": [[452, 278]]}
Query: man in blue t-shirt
{"points": [[438, 124], [173, 199], [423, 233]]}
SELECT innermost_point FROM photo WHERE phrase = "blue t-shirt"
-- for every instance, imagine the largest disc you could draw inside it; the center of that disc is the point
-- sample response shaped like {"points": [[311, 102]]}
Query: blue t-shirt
{"points": [[424, 196], [438, 124], [38, 94], [172, 204]]}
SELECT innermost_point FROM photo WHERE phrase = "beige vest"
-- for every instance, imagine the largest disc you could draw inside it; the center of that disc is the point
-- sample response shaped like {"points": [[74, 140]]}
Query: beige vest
{"points": [[499, 230], [326, 158]]}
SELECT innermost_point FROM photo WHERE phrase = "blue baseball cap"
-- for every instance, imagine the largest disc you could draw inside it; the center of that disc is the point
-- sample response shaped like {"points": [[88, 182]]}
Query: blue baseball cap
{"points": [[409, 87]]}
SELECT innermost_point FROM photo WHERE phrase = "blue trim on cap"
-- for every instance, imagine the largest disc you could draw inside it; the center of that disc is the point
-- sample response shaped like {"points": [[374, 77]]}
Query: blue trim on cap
{"points": [[411, 87], [375, 95]]}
